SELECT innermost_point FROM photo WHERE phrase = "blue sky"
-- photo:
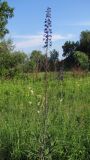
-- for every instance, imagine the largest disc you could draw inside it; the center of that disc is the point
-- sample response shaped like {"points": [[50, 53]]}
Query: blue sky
{"points": [[69, 18]]}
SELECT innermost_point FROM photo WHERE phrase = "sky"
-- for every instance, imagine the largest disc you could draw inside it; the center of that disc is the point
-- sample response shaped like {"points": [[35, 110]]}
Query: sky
{"points": [[69, 18]]}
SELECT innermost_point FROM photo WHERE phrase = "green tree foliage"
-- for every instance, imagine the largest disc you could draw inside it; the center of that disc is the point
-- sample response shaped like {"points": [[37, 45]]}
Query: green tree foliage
{"points": [[6, 12], [69, 48], [10, 60], [81, 60], [54, 55], [83, 46], [69, 62], [28, 66], [38, 60], [85, 42], [53, 60], [6, 46], [19, 57]]}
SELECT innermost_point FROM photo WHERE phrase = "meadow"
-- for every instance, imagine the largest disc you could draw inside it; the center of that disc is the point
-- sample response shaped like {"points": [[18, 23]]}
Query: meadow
{"points": [[22, 102]]}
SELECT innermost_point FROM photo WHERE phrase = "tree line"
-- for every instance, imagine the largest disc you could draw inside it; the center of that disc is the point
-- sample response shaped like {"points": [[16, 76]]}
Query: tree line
{"points": [[14, 62], [77, 54]]}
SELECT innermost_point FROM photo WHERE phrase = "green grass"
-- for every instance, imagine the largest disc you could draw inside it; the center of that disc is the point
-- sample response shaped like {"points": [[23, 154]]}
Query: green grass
{"points": [[68, 123]]}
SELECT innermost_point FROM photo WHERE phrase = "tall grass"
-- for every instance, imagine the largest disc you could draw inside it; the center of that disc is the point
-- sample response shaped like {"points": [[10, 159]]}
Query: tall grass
{"points": [[68, 122]]}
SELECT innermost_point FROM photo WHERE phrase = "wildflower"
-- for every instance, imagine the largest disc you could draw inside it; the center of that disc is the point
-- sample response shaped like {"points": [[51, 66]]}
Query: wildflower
{"points": [[38, 112], [30, 102], [29, 88], [61, 100], [38, 103], [32, 92], [78, 84]]}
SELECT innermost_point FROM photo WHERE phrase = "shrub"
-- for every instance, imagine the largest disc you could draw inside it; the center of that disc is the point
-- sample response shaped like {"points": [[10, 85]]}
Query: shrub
{"points": [[81, 60]]}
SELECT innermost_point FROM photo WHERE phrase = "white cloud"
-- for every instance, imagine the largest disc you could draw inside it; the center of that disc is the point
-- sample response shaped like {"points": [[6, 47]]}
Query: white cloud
{"points": [[31, 42], [27, 36], [26, 41], [56, 37], [85, 23]]}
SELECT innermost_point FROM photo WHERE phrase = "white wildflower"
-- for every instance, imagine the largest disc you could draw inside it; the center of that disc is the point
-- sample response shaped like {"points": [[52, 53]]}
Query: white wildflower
{"points": [[38, 103], [61, 100], [32, 92], [78, 84], [30, 102], [38, 112], [29, 88]]}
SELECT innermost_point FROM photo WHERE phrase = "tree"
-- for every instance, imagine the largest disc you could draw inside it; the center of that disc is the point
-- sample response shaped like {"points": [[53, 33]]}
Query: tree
{"points": [[69, 48], [38, 60], [81, 60], [6, 46], [53, 59], [75, 51], [19, 57], [54, 55], [85, 42], [10, 60], [6, 12]]}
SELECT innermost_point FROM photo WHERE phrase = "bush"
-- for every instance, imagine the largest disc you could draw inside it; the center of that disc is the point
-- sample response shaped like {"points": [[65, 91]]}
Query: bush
{"points": [[81, 60]]}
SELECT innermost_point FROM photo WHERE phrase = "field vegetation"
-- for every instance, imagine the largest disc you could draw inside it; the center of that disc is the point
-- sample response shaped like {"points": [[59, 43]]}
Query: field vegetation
{"points": [[68, 121]]}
